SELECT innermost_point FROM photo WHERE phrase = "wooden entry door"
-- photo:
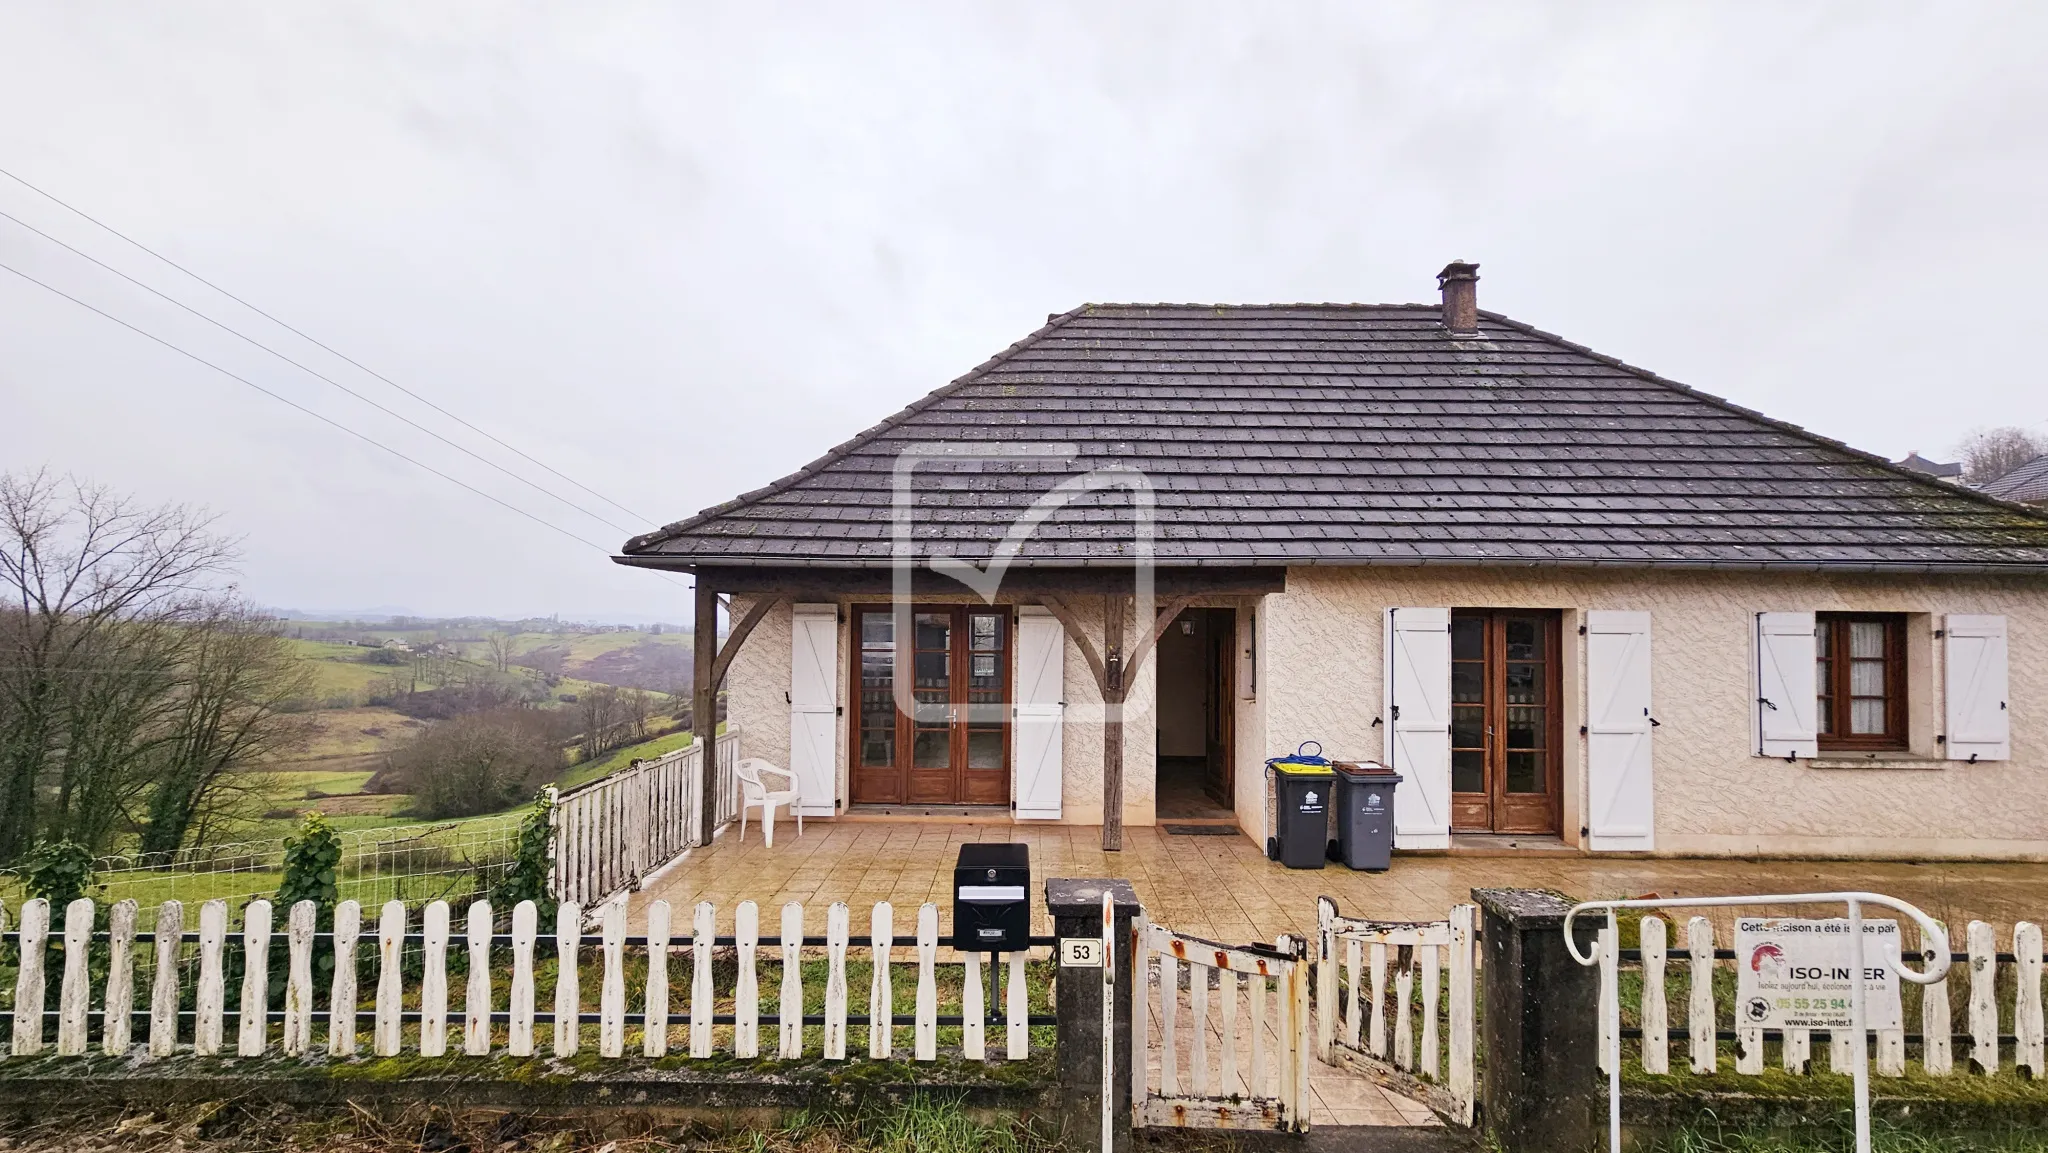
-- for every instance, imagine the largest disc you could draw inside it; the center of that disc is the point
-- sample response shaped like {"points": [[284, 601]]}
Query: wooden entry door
{"points": [[1506, 688], [952, 745]]}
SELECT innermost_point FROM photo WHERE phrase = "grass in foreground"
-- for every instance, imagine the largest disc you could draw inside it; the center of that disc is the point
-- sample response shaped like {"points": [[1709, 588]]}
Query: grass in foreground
{"points": [[1711, 1138], [919, 1126]]}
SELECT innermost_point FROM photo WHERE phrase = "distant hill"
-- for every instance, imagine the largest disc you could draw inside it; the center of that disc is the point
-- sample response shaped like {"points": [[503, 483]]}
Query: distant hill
{"points": [[655, 657]]}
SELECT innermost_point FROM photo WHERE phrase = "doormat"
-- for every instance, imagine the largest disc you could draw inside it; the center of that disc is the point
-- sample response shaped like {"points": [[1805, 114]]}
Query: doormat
{"points": [[1200, 830]]}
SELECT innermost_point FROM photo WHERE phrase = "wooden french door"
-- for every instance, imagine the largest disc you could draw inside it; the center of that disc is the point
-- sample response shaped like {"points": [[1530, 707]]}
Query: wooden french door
{"points": [[932, 726], [1506, 688]]}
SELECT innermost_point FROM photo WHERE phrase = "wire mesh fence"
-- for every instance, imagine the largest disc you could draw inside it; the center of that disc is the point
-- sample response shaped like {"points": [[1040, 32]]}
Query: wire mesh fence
{"points": [[416, 864]]}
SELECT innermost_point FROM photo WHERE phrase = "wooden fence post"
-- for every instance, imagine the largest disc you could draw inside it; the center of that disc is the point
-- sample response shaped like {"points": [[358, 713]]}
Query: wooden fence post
{"points": [[1937, 1058], [654, 1012], [525, 927], [568, 992], [434, 980], [836, 932], [881, 995], [746, 994], [117, 1026], [298, 988], [342, 993], [2026, 946], [253, 1022], [74, 995], [386, 1038], [163, 986], [789, 1004], [703, 931], [1983, 998], [212, 998], [476, 999], [28, 980], [925, 1036], [611, 993]]}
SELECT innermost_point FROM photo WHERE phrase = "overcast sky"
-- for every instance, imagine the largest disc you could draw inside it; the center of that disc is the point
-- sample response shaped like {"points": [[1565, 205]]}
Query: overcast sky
{"points": [[678, 251]]}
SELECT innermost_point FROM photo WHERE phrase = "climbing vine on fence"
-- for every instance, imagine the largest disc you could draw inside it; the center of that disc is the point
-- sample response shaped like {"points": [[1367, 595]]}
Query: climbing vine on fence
{"points": [[528, 880], [310, 863], [60, 872]]}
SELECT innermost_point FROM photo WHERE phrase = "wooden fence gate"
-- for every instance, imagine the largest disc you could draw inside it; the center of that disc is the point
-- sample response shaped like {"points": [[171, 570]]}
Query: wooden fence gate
{"points": [[1353, 1027], [1257, 1077]]}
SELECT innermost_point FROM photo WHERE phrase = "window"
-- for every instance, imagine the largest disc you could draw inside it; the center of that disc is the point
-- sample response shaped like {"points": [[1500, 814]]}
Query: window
{"points": [[1861, 680]]}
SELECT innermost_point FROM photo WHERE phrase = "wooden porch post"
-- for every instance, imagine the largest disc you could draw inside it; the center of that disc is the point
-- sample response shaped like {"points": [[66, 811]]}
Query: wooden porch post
{"points": [[704, 701], [1113, 723], [711, 661], [1112, 677]]}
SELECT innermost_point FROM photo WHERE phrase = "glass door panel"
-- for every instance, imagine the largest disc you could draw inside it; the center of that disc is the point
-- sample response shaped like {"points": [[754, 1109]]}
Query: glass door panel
{"points": [[931, 755], [1504, 691]]}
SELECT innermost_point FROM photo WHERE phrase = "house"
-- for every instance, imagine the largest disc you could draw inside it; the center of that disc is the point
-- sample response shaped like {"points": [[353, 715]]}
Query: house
{"points": [[2027, 484], [1934, 468], [1103, 577]]}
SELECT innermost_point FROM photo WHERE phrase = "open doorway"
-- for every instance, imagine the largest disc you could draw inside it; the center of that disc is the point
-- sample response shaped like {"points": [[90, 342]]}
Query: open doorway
{"points": [[1196, 705]]}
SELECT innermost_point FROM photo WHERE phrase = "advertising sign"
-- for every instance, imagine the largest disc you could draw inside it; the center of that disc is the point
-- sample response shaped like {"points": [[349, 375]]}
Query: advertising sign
{"points": [[1793, 973]]}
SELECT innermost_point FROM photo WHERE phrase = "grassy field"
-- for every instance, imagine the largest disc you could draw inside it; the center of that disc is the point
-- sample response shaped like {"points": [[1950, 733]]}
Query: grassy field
{"points": [[590, 771]]}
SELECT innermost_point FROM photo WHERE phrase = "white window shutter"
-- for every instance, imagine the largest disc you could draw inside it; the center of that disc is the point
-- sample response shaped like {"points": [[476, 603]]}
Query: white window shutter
{"points": [[1037, 757], [814, 708], [1787, 705], [1418, 722], [1979, 721], [1620, 794]]}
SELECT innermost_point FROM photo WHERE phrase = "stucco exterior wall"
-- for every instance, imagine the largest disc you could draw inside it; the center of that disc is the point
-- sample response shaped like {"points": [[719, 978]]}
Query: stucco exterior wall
{"points": [[1319, 669], [1321, 678]]}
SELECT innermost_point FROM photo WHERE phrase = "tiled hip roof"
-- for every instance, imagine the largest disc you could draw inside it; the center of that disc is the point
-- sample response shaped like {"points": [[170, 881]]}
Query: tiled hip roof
{"points": [[1348, 434]]}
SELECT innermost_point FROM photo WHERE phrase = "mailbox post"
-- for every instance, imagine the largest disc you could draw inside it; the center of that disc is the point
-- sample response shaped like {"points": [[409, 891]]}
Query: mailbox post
{"points": [[1076, 908]]}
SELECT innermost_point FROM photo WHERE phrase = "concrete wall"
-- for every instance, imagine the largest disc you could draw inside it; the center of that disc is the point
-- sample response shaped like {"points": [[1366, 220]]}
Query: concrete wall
{"points": [[1321, 678]]}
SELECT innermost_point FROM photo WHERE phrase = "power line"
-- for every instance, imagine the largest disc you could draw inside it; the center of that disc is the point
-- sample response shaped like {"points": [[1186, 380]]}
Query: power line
{"points": [[315, 374], [52, 198], [302, 408]]}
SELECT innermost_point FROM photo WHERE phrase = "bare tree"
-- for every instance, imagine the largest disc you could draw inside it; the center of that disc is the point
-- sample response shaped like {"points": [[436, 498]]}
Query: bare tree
{"points": [[498, 647], [1989, 453], [236, 678], [77, 564]]}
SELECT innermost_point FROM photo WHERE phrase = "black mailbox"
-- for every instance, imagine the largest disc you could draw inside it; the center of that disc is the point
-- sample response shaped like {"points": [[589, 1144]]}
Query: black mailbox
{"points": [[991, 898]]}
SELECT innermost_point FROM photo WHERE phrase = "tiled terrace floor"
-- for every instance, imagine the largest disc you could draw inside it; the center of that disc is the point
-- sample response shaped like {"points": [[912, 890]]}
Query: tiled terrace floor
{"points": [[1223, 888]]}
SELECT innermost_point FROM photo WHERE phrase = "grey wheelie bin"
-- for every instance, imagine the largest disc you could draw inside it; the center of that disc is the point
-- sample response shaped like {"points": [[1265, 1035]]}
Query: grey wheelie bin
{"points": [[1365, 814], [1302, 784]]}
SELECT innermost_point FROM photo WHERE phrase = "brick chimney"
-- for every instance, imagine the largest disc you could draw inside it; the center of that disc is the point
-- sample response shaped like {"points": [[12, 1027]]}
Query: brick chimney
{"points": [[1460, 282]]}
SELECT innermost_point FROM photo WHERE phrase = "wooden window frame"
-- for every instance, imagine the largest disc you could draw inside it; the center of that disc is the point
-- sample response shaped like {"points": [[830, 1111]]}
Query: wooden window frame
{"points": [[905, 730], [1833, 700]]}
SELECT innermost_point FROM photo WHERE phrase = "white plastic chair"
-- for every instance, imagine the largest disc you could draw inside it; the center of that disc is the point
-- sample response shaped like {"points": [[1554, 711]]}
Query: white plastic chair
{"points": [[756, 794]]}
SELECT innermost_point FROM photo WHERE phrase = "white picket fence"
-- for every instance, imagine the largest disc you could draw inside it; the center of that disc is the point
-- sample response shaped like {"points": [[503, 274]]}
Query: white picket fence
{"points": [[1268, 1087], [491, 1021], [611, 833], [1935, 1039], [1353, 1026]]}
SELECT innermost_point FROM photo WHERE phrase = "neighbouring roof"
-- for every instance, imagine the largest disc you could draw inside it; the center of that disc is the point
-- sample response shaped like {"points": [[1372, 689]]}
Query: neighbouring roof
{"points": [[1919, 463], [1355, 434], [2028, 482]]}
